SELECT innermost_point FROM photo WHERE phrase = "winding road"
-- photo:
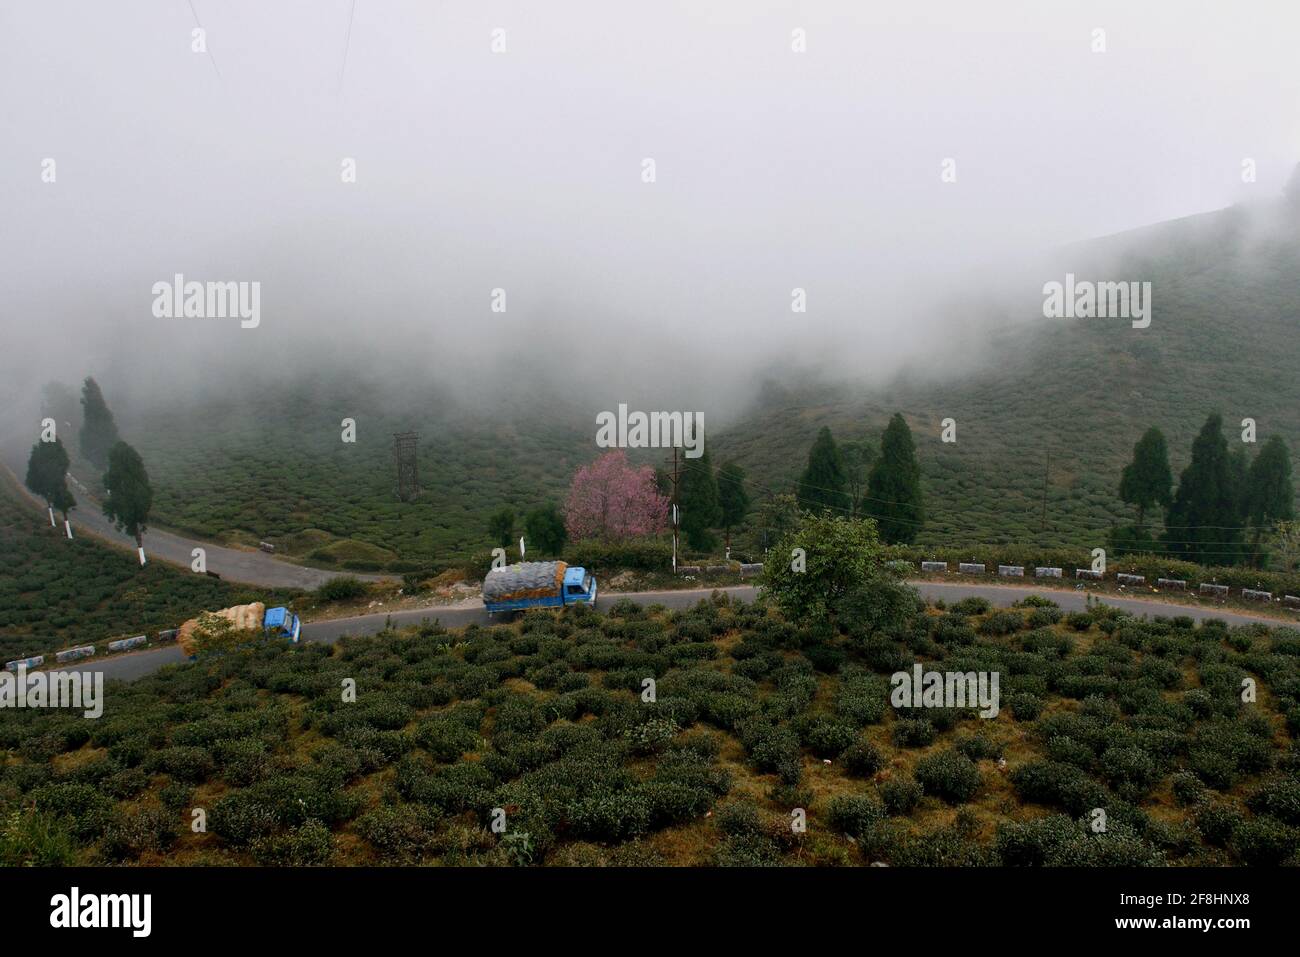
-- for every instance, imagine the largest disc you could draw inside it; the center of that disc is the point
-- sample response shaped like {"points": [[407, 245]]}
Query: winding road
{"points": [[259, 568], [128, 667], [232, 564]]}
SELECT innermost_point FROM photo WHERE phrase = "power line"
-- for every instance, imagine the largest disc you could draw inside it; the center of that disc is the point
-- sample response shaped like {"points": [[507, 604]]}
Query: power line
{"points": [[347, 45], [206, 46]]}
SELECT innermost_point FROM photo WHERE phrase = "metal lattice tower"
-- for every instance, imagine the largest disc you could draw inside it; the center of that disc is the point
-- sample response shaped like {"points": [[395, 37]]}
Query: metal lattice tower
{"points": [[408, 476]]}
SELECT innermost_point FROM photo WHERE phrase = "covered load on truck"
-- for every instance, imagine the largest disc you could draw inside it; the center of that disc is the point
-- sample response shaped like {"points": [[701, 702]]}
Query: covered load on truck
{"points": [[242, 617], [523, 580], [529, 585]]}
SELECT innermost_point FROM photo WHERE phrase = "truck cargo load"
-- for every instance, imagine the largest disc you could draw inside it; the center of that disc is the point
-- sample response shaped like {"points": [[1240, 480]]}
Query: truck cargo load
{"points": [[526, 585], [243, 617]]}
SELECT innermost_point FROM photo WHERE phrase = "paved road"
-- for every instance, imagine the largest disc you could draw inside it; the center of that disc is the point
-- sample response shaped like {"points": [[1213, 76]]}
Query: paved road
{"points": [[233, 564], [131, 666]]}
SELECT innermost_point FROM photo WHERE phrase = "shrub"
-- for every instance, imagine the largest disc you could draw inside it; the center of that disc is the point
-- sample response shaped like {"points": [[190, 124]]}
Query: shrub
{"points": [[341, 588], [901, 795], [1188, 789], [971, 606], [86, 810], [611, 817], [827, 739], [1278, 797], [308, 845], [240, 819], [189, 764], [854, 815], [739, 819], [913, 733], [1025, 707], [445, 739], [862, 759], [1218, 823], [150, 830], [1265, 842], [949, 775]]}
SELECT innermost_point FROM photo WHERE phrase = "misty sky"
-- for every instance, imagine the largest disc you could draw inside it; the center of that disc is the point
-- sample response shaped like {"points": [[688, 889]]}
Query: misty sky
{"points": [[523, 170]]}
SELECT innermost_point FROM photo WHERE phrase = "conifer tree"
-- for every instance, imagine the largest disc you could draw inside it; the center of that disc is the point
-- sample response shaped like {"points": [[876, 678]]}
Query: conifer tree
{"points": [[894, 497], [824, 482], [1204, 522], [98, 430], [1147, 481], [701, 507]]}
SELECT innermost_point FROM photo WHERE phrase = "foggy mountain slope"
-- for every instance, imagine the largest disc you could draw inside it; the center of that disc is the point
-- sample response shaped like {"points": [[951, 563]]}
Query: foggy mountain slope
{"points": [[1072, 395]]}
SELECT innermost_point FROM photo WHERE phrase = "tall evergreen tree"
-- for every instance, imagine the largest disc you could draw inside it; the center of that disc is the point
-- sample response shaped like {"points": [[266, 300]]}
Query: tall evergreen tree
{"points": [[1203, 523], [858, 459], [544, 529], [1270, 494], [130, 496], [823, 483], [701, 507], [98, 430], [894, 497], [732, 497], [1147, 481], [47, 475]]}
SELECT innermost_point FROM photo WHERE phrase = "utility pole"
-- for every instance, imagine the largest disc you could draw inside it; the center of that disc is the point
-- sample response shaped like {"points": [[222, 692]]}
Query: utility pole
{"points": [[675, 477]]}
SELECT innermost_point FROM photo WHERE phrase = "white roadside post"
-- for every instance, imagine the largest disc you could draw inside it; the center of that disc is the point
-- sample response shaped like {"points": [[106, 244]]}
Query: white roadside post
{"points": [[521, 548], [141, 551], [674, 538], [68, 526], [52, 525]]}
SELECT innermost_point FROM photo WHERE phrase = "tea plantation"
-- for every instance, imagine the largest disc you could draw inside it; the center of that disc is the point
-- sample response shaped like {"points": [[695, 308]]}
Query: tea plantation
{"points": [[533, 744], [55, 593]]}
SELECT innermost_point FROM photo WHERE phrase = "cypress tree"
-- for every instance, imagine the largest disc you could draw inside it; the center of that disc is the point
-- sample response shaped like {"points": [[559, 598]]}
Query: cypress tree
{"points": [[858, 458], [98, 430], [894, 496], [1147, 480], [47, 475], [130, 496], [1203, 523], [1270, 494], [824, 480], [701, 507], [732, 497]]}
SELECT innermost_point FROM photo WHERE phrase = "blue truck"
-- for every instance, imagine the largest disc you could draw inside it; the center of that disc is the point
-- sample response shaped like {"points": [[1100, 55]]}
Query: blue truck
{"points": [[526, 585], [273, 622]]}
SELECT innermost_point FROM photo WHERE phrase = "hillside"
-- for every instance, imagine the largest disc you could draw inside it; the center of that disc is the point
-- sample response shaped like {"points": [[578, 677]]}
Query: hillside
{"points": [[1063, 400], [56, 593], [757, 726], [1069, 398]]}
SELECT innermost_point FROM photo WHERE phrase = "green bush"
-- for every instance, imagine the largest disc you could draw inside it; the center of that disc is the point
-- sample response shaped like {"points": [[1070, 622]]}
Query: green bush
{"points": [[862, 759], [900, 795], [341, 588], [949, 775], [853, 815]]}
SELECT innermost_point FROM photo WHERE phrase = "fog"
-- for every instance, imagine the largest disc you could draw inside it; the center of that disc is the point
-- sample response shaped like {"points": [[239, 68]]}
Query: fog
{"points": [[523, 171]]}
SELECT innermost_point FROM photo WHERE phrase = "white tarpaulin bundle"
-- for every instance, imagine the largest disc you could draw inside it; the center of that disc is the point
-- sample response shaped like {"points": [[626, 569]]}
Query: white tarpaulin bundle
{"points": [[523, 580]]}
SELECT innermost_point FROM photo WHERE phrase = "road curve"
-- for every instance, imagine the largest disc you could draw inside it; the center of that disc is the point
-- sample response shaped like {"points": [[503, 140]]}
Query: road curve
{"points": [[231, 564], [131, 666]]}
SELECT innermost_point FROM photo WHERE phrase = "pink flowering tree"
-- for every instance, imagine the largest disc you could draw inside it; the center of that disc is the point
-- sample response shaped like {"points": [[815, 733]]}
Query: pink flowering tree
{"points": [[611, 500]]}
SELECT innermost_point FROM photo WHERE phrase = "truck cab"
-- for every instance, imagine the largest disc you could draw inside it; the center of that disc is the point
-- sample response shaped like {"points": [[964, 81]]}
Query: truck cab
{"points": [[579, 587], [282, 623]]}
